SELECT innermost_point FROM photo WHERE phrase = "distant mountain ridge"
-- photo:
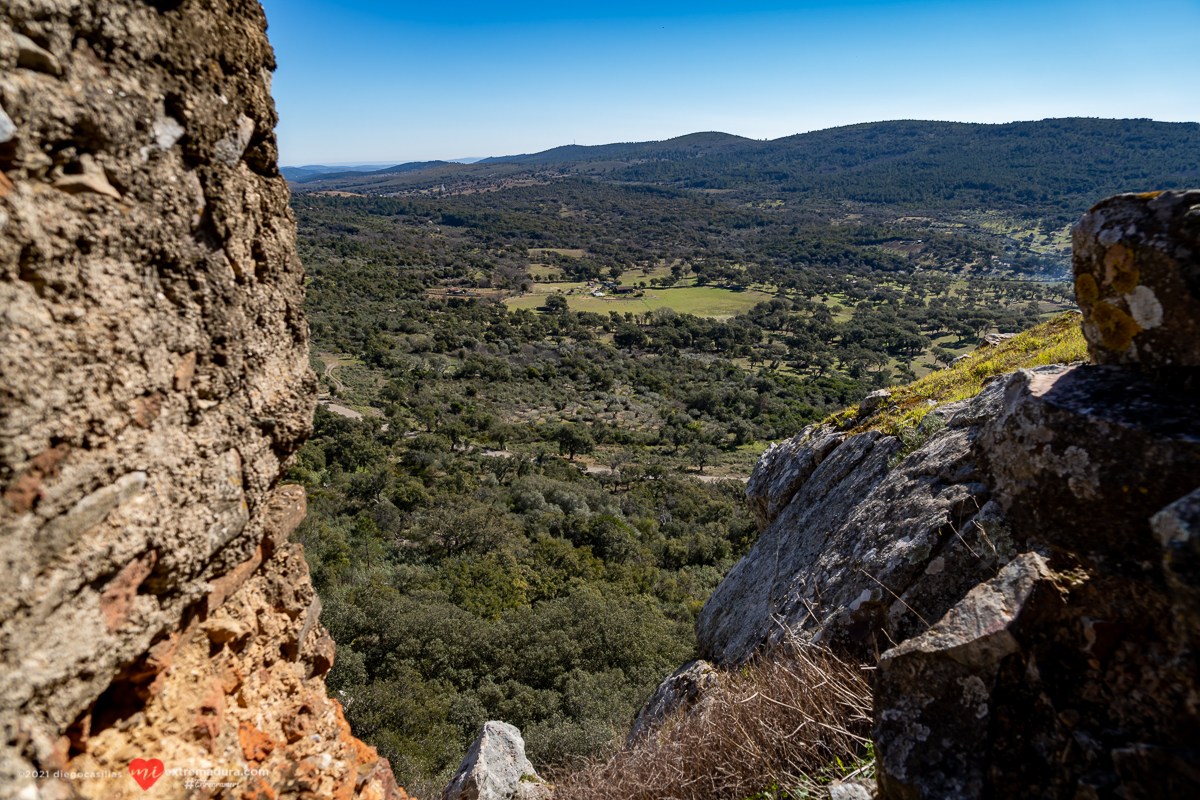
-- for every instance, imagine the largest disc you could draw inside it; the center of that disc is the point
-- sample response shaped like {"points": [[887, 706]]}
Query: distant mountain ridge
{"points": [[398, 169], [295, 173], [689, 146], [1048, 168]]}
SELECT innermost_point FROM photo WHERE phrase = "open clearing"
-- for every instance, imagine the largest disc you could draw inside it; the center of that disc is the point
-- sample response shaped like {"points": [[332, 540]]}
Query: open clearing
{"points": [[534, 252], [703, 301]]}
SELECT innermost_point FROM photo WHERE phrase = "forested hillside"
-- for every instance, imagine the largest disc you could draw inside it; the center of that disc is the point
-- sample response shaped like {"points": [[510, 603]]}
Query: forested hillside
{"points": [[1051, 169]]}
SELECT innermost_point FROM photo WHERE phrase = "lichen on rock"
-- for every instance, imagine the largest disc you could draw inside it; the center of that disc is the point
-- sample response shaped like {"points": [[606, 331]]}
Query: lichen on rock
{"points": [[1137, 280]]}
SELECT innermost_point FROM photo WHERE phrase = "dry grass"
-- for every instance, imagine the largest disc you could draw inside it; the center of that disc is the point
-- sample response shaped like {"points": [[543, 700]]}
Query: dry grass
{"points": [[1059, 341], [775, 728]]}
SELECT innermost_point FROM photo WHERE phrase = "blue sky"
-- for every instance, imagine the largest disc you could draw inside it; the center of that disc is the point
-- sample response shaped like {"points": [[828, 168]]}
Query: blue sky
{"points": [[363, 80]]}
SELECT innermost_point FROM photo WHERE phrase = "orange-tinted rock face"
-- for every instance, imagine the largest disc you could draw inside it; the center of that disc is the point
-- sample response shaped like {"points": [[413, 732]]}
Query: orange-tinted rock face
{"points": [[235, 696], [155, 626]]}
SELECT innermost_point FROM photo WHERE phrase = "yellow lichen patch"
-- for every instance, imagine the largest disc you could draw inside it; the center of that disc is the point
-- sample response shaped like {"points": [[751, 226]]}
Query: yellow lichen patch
{"points": [[1117, 328], [1126, 280], [1149, 195], [1086, 290]]}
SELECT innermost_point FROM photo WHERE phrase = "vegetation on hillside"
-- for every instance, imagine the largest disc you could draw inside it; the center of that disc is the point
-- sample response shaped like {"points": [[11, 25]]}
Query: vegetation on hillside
{"points": [[1059, 341], [1015, 187], [530, 510]]}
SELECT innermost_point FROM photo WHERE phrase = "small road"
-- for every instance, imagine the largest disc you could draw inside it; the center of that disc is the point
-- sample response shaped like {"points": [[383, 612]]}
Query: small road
{"points": [[343, 411], [329, 374]]}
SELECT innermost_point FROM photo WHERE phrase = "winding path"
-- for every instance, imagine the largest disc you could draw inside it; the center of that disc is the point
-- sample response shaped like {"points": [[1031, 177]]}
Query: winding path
{"points": [[341, 387]]}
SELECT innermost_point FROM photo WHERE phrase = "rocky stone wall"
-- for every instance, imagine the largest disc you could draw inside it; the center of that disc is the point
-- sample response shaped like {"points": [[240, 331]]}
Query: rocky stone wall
{"points": [[1075, 672], [154, 383], [1029, 578]]}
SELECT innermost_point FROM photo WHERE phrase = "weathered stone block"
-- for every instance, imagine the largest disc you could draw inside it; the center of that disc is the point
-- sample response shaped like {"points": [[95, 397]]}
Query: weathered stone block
{"points": [[1137, 280]]}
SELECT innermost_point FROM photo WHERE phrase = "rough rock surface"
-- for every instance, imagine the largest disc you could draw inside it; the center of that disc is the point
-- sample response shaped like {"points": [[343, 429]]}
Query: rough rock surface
{"points": [[934, 690], [680, 691], [1075, 673], [1178, 529], [495, 768], [1048, 681], [784, 468], [861, 548], [153, 385], [1083, 458], [1137, 280]]}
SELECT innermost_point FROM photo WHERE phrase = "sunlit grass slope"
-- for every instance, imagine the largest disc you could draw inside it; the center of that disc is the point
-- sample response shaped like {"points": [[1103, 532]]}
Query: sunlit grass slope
{"points": [[1059, 341]]}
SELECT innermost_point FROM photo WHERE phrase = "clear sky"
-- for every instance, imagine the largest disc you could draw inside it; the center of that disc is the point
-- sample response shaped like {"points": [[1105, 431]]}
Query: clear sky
{"points": [[369, 80]]}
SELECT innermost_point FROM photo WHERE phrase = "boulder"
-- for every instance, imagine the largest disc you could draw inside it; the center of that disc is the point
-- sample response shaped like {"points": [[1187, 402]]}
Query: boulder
{"points": [[995, 339], [933, 692], [1137, 281], [784, 468], [863, 547], [495, 768], [680, 691], [1050, 680], [873, 402], [1082, 459], [860, 789]]}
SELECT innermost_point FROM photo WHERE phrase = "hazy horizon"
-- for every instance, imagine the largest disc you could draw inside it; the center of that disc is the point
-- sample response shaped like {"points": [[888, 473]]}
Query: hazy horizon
{"points": [[526, 77], [470, 160]]}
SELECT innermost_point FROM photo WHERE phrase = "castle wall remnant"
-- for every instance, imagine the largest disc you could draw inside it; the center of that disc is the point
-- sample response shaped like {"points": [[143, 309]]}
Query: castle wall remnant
{"points": [[155, 624]]}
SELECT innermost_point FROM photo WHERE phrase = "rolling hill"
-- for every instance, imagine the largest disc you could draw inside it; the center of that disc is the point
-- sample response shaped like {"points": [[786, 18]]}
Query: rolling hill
{"points": [[1049, 168]]}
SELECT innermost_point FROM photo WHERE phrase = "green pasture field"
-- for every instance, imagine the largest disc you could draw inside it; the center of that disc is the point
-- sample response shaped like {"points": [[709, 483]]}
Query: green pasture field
{"points": [[703, 301], [573, 253]]}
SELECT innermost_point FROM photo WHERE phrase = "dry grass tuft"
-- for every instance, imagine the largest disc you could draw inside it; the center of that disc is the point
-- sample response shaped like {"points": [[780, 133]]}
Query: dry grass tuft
{"points": [[775, 728]]}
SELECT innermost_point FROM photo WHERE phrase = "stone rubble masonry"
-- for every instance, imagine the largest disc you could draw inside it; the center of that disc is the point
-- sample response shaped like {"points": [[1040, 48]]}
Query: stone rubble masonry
{"points": [[154, 385], [1137, 280]]}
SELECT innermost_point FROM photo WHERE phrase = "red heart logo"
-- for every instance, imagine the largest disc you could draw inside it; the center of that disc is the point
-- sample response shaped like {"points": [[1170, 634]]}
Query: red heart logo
{"points": [[146, 771]]}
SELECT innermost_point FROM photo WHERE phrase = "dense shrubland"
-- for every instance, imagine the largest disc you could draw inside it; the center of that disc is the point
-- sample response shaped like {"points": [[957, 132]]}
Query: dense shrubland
{"points": [[464, 587]]}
